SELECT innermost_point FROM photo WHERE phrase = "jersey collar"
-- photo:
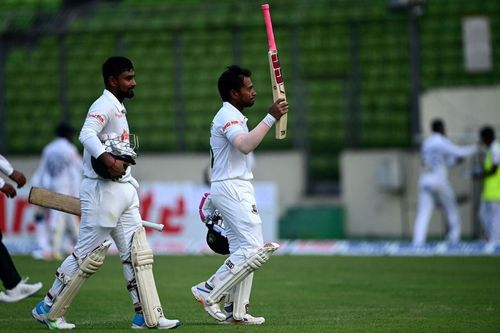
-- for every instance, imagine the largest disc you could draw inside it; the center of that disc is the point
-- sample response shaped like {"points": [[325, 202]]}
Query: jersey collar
{"points": [[119, 106], [234, 109]]}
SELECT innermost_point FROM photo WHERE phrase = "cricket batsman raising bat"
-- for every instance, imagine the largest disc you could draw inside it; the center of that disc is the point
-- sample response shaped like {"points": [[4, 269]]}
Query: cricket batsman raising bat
{"points": [[275, 70]]}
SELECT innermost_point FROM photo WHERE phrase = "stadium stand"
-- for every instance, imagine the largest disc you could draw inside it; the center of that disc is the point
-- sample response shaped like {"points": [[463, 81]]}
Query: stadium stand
{"points": [[347, 60]]}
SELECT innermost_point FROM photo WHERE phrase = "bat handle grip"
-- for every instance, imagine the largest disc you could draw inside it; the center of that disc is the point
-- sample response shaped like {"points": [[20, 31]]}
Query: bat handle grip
{"points": [[269, 27], [155, 226]]}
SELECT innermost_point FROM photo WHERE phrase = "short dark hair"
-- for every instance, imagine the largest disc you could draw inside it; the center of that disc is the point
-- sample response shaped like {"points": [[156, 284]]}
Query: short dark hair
{"points": [[231, 78], [114, 66], [487, 134], [437, 125]]}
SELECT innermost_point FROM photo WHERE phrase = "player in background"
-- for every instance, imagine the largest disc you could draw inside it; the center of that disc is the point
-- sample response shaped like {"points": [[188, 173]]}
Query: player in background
{"points": [[232, 146], [109, 207], [489, 210], [438, 153], [16, 287], [60, 170]]}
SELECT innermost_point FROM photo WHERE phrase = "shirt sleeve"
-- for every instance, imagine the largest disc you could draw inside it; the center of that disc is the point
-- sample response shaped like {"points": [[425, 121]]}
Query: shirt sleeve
{"points": [[5, 166], [231, 127], [93, 125], [456, 151]]}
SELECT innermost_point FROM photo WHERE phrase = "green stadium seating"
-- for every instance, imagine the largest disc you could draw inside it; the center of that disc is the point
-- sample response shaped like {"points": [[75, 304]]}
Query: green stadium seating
{"points": [[180, 47]]}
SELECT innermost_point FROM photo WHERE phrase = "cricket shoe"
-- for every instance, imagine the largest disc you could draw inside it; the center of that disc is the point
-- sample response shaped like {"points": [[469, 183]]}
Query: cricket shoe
{"points": [[248, 319], [19, 292], [138, 323], [41, 313], [200, 292]]}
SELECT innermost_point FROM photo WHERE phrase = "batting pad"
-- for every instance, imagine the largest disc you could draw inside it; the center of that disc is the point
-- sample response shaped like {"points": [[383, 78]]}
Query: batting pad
{"points": [[142, 260], [89, 266], [240, 272], [241, 297]]}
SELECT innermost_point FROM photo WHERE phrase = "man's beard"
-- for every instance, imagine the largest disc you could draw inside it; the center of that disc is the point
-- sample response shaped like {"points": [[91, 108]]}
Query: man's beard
{"points": [[249, 104], [127, 94]]}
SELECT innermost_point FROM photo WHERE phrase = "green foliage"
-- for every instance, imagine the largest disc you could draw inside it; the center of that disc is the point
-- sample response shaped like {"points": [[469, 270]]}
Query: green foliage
{"points": [[296, 294]]}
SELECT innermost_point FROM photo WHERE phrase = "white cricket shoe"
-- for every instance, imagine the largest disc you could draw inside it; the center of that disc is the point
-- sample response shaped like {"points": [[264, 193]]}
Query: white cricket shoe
{"points": [[19, 292], [200, 292], [138, 323], [40, 312], [248, 319]]}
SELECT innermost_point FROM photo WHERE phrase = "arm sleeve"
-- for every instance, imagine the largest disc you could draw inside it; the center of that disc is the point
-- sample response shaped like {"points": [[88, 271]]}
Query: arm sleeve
{"points": [[2, 182], [5, 166], [93, 125], [231, 129], [457, 151]]}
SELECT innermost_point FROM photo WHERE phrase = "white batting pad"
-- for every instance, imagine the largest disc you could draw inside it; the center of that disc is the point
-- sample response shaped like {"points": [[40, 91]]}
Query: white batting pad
{"points": [[142, 260], [240, 272], [89, 266]]}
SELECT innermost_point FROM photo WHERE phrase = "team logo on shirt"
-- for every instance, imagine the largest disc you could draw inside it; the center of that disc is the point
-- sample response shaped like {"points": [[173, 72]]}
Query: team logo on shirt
{"points": [[254, 210], [96, 116], [230, 123]]}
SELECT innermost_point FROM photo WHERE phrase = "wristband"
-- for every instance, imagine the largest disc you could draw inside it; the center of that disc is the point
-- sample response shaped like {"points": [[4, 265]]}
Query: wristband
{"points": [[269, 120]]}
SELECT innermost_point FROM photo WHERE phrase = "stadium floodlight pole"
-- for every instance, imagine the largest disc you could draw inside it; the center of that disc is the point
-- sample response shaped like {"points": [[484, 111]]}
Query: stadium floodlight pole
{"points": [[414, 8], [416, 75]]}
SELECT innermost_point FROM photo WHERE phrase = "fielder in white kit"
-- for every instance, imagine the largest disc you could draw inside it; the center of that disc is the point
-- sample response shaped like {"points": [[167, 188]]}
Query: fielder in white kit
{"points": [[109, 207], [232, 194], [60, 170], [438, 153]]}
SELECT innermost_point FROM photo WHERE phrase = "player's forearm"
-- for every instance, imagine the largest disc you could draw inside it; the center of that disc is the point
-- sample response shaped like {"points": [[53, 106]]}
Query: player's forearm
{"points": [[246, 143]]}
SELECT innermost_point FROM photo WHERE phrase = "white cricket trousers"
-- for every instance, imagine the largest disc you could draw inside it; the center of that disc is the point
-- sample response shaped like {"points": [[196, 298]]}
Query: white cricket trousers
{"points": [[108, 209], [435, 189], [235, 200]]}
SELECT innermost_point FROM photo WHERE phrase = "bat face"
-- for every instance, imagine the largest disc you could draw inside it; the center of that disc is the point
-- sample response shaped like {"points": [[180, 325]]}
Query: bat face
{"points": [[278, 91], [278, 84], [276, 65]]}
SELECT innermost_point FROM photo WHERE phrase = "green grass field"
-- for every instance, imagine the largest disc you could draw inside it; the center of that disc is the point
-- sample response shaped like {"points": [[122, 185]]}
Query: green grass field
{"points": [[295, 294]]}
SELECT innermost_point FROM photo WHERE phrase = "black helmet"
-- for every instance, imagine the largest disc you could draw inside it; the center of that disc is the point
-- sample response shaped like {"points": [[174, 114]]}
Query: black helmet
{"points": [[216, 241]]}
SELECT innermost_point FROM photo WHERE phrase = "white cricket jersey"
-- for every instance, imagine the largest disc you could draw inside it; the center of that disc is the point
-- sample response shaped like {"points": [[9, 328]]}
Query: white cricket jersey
{"points": [[438, 152], [60, 168], [227, 161], [6, 168], [106, 116]]}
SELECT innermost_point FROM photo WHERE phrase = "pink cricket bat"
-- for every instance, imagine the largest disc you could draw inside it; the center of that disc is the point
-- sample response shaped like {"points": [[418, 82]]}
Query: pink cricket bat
{"points": [[275, 70]]}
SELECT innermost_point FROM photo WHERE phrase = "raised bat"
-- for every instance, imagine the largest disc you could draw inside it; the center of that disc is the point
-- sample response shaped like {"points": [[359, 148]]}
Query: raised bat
{"points": [[275, 70], [67, 203]]}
